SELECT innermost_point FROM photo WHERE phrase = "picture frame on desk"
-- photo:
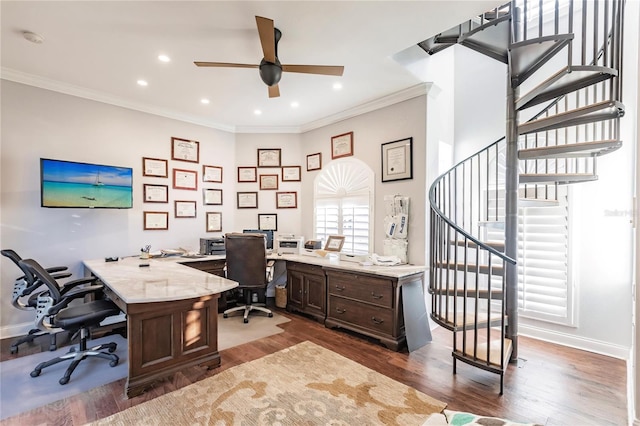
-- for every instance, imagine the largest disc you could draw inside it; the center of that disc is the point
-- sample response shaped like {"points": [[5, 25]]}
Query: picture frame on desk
{"points": [[214, 221], [156, 221], [247, 200], [334, 243], [155, 193], [155, 167], [212, 197], [184, 208], [397, 160], [212, 174], [291, 173], [185, 179], [185, 150], [267, 221]]}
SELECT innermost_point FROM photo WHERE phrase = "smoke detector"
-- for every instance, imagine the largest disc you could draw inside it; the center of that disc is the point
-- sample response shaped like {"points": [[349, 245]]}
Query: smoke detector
{"points": [[33, 37]]}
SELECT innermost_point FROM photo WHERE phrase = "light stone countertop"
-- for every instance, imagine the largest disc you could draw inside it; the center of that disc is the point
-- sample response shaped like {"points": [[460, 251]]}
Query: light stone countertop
{"points": [[165, 279]]}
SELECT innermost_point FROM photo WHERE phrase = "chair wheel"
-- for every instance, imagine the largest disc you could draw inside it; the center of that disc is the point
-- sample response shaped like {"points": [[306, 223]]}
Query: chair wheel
{"points": [[113, 363], [270, 315], [14, 350], [225, 316], [112, 347], [35, 373], [72, 349], [63, 381], [246, 320], [53, 347]]}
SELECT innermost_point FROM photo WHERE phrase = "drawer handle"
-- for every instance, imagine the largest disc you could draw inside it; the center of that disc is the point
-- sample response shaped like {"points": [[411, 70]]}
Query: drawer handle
{"points": [[376, 296], [339, 288], [340, 310], [376, 320]]}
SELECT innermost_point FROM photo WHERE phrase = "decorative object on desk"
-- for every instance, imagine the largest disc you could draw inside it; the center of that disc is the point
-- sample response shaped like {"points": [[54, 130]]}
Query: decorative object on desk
{"points": [[247, 200], [247, 174], [267, 221], [185, 208], [154, 167], [396, 227], [397, 160], [214, 221], [144, 252], [269, 182], [285, 387], [291, 173], [342, 145], [185, 150], [212, 196], [212, 174], [334, 243], [155, 193], [156, 221], [269, 157], [286, 200], [185, 179], [314, 161]]}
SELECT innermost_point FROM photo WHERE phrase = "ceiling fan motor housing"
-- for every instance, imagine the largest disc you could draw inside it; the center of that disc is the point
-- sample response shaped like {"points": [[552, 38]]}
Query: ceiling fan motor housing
{"points": [[270, 73]]}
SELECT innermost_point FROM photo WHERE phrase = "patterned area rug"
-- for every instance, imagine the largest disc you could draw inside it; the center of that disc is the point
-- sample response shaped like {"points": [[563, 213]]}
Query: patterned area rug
{"points": [[301, 385]]}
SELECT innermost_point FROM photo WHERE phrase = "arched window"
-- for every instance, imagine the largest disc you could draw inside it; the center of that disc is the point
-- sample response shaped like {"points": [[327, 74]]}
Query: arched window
{"points": [[343, 204]]}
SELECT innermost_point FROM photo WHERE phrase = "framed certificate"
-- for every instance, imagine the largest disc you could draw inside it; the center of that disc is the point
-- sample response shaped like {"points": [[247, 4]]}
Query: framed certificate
{"points": [[342, 145], [214, 222], [268, 181], [212, 196], [212, 174], [334, 243], [185, 179], [247, 174], [397, 161], [185, 208], [155, 193], [267, 221], [185, 150], [291, 173], [269, 157], [247, 200], [314, 161], [156, 221], [154, 167], [286, 200]]}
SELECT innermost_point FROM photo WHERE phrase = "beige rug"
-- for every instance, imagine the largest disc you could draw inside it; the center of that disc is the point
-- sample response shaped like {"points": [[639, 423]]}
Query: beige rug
{"points": [[233, 331], [301, 385]]}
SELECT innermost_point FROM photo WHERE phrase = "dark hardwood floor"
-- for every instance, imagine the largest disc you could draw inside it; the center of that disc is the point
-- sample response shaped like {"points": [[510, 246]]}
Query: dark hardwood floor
{"points": [[549, 385]]}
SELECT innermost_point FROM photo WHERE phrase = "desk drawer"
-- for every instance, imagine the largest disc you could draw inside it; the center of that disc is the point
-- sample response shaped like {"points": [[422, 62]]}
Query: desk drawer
{"points": [[361, 314], [367, 289], [304, 268]]}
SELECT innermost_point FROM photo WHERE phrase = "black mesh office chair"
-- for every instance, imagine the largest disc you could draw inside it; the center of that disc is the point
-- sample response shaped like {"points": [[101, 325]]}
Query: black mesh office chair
{"points": [[54, 312], [247, 264], [26, 289]]}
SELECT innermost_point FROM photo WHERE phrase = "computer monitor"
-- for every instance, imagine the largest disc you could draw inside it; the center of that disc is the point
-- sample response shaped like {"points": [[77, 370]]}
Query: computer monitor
{"points": [[268, 234]]}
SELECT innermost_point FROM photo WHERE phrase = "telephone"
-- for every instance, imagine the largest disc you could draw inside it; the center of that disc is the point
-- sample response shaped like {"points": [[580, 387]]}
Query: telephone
{"points": [[313, 244]]}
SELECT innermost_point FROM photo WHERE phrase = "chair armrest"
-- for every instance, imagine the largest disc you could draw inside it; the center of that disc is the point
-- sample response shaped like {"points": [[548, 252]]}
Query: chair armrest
{"points": [[270, 269], [53, 269], [62, 275], [66, 287], [73, 294]]}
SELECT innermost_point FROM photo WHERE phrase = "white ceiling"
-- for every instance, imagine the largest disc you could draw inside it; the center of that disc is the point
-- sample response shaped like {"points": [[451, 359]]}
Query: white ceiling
{"points": [[99, 49]]}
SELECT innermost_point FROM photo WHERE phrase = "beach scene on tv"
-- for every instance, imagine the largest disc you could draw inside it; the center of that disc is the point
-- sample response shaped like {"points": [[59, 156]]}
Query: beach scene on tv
{"points": [[70, 184]]}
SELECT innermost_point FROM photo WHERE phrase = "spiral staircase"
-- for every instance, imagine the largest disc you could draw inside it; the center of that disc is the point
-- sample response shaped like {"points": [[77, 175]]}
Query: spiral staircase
{"points": [[564, 103]]}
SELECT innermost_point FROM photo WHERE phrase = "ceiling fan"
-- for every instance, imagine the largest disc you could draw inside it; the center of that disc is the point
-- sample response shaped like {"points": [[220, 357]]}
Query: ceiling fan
{"points": [[270, 67]]}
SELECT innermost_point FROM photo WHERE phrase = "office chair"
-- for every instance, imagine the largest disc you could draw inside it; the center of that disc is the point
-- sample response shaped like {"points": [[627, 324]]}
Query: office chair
{"points": [[26, 289], [53, 312], [247, 264]]}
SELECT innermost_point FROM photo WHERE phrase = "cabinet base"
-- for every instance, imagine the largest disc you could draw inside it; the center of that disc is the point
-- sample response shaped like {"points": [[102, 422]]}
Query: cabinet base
{"points": [[388, 342]]}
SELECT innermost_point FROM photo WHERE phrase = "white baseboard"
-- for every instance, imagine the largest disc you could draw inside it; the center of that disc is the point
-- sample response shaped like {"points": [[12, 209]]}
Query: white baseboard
{"points": [[15, 330]]}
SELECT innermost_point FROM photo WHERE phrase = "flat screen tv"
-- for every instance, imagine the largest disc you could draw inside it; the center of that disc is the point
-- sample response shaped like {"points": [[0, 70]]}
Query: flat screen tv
{"points": [[68, 184]]}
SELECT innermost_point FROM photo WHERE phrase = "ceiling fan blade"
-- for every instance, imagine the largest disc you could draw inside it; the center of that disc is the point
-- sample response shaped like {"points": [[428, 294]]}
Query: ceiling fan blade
{"points": [[267, 38], [274, 91], [314, 69], [224, 64]]}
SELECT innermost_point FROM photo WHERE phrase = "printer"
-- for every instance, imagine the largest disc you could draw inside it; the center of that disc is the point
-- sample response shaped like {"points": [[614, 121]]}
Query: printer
{"points": [[289, 244], [212, 246]]}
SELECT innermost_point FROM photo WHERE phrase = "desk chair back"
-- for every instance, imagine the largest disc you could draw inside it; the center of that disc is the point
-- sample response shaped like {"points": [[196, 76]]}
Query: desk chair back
{"points": [[246, 259]]}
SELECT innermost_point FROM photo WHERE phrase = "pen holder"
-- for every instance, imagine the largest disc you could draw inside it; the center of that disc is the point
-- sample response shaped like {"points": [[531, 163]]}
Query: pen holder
{"points": [[144, 255]]}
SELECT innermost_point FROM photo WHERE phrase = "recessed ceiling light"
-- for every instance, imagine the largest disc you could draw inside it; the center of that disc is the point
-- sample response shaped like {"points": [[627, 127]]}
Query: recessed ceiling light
{"points": [[33, 37], [164, 58], [257, 112], [295, 104], [142, 83], [204, 101], [337, 86]]}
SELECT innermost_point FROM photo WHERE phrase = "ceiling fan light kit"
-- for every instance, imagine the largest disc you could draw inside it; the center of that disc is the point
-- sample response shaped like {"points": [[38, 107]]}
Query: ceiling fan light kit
{"points": [[270, 67]]}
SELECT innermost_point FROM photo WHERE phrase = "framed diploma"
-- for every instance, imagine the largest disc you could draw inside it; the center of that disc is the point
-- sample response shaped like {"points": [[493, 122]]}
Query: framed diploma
{"points": [[247, 200], [212, 197], [334, 243], [267, 222], [185, 208], [286, 200], [156, 221], [185, 179], [154, 167], [214, 222], [397, 161], [212, 174], [185, 150], [291, 173], [268, 181], [155, 193], [269, 157], [314, 161], [247, 174], [342, 145]]}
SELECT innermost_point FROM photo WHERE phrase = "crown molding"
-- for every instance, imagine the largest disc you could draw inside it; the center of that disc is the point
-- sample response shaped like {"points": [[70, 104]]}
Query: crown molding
{"points": [[81, 92]]}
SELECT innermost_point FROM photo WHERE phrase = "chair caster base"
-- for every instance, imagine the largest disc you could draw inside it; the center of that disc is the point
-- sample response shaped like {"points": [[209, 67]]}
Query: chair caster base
{"points": [[35, 373], [113, 363], [246, 320], [225, 316], [270, 315], [13, 350], [63, 381]]}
